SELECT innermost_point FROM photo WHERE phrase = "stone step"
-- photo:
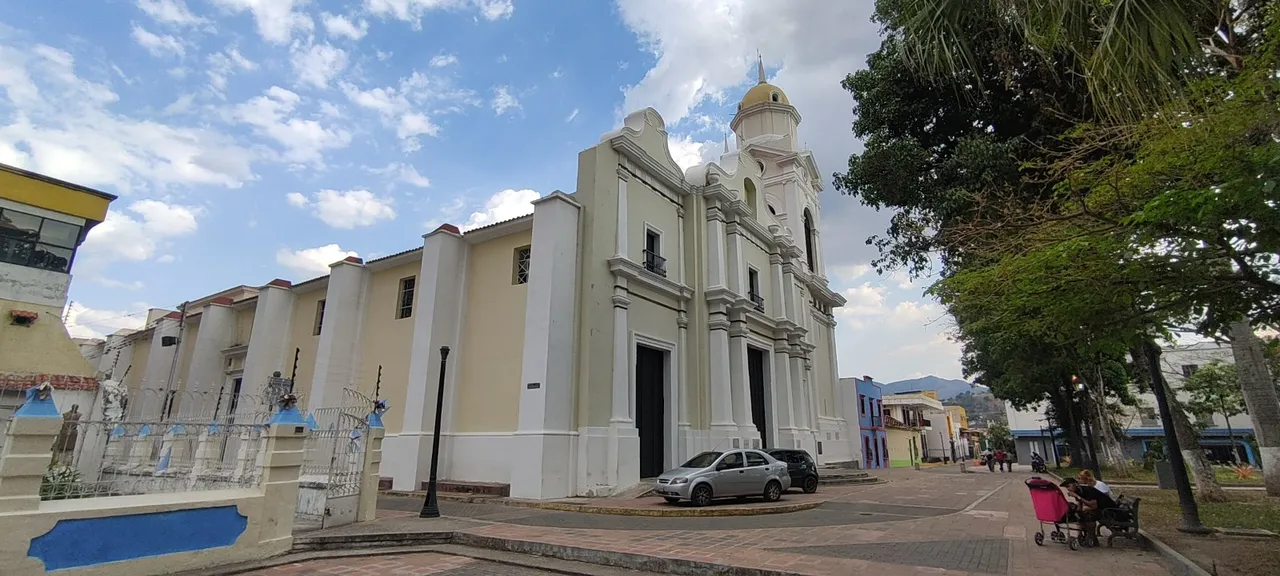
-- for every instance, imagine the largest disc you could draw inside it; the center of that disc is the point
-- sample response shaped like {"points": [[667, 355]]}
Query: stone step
{"points": [[640, 490], [480, 488], [347, 541]]}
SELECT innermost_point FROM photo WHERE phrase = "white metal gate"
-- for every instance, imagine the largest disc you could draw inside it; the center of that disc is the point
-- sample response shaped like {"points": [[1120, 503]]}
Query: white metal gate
{"points": [[333, 463]]}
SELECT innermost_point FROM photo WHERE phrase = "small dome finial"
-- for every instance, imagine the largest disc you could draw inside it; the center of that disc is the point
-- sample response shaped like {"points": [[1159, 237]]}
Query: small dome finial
{"points": [[759, 68]]}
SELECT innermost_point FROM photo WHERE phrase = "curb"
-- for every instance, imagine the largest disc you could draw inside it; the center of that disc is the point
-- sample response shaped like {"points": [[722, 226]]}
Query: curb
{"points": [[667, 512], [1181, 565]]}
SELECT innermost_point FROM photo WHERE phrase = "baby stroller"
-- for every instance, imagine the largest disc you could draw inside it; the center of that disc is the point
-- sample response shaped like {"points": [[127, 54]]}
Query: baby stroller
{"points": [[1052, 508]]}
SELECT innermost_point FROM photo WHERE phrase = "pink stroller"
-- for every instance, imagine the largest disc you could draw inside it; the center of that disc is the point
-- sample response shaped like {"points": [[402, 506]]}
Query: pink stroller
{"points": [[1052, 508]]}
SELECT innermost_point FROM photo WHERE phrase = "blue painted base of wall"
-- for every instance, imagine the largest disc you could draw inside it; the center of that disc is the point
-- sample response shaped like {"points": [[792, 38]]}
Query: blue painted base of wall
{"points": [[92, 541]]}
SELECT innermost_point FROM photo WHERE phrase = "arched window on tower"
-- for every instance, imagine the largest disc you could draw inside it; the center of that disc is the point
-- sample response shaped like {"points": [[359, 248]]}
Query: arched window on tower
{"points": [[749, 194], [808, 239]]}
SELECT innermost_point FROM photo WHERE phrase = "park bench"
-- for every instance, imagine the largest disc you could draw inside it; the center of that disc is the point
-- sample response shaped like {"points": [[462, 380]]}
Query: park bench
{"points": [[1121, 521]]}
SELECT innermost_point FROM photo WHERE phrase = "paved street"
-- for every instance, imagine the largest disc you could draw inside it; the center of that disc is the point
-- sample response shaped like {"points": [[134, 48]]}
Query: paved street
{"points": [[934, 521]]}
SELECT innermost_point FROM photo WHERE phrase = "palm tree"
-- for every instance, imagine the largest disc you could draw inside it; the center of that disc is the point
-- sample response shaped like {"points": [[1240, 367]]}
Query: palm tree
{"points": [[1135, 55]]}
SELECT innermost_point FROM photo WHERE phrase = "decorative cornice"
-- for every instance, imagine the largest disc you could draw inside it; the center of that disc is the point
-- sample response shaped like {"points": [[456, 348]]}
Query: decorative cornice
{"points": [[679, 211], [621, 301], [775, 259], [623, 267], [718, 323], [623, 174], [738, 330], [682, 320], [714, 214], [632, 150]]}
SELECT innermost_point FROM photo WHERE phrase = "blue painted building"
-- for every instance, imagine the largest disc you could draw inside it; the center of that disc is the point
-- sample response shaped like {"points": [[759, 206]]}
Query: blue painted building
{"points": [[874, 443]]}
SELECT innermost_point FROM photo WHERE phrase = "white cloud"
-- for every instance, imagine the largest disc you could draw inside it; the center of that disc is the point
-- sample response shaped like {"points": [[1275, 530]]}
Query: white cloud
{"points": [[223, 64], [403, 108], [180, 106], [503, 100], [412, 11], [158, 45], [137, 233], [688, 153], [346, 209], [344, 27], [63, 125], [312, 260], [442, 60], [318, 63], [863, 300], [172, 12], [304, 141], [111, 283], [405, 173], [85, 322], [276, 19], [502, 206], [571, 115]]}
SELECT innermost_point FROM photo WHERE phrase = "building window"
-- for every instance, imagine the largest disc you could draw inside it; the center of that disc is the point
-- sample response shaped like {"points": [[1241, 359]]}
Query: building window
{"points": [[772, 211], [749, 195], [35, 242], [653, 260], [524, 256], [773, 96], [862, 404], [405, 307], [1189, 369], [319, 318], [753, 289], [808, 239]]}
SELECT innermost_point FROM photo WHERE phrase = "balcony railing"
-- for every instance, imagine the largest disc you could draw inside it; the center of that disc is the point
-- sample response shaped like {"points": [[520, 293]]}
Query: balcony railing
{"points": [[757, 301], [655, 263], [877, 421]]}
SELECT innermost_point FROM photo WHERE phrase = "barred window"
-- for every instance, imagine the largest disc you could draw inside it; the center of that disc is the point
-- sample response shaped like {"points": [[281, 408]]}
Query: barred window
{"points": [[404, 308], [522, 261]]}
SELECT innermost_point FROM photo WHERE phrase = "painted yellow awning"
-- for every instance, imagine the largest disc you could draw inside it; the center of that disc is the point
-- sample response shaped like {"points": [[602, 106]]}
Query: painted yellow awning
{"points": [[52, 194]]}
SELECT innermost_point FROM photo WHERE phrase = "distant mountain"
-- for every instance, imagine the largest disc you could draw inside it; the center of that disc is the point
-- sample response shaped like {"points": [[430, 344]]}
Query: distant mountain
{"points": [[946, 389]]}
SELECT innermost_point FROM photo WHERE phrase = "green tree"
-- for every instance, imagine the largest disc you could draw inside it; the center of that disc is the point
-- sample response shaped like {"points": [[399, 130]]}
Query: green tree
{"points": [[1214, 389], [999, 437]]}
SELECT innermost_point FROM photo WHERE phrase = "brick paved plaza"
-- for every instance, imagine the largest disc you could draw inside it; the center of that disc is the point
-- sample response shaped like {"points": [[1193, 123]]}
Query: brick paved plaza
{"points": [[933, 521]]}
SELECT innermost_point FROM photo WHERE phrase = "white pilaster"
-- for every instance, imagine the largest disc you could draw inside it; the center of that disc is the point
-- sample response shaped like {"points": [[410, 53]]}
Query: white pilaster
{"points": [[789, 292], [622, 223], [684, 395], [159, 376], [268, 340], [205, 373], [716, 273], [721, 392], [736, 258], [799, 406], [338, 351], [782, 389], [738, 379], [441, 281], [544, 454], [621, 394]]}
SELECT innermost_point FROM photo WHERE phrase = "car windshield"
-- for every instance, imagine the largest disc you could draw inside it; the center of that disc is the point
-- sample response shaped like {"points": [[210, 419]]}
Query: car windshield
{"points": [[702, 460]]}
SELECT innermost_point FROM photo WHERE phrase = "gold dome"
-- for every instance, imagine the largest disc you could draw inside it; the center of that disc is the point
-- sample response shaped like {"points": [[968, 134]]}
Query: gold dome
{"points": [[763, 92]]}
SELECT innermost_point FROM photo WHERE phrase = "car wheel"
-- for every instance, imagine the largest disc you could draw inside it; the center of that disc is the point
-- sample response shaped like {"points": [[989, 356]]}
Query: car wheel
{"points": [[701, 495], [810, 485], [671, 499], [772, 491]]}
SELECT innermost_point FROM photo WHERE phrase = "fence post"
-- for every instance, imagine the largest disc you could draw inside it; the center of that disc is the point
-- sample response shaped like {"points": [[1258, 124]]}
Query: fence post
{"points": [[28, 450], [286, 433], [367, 509]]}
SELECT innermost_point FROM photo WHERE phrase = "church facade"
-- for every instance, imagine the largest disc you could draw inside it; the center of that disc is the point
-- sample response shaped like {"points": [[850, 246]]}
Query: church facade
{"points": [[606, 337]]}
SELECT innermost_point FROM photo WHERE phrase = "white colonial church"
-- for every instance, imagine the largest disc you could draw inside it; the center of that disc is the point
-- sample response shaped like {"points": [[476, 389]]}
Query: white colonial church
{"points": [[609, 335]]}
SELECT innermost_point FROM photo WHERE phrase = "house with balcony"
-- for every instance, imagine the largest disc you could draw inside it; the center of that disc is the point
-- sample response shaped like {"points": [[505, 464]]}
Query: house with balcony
{"points": [[905, 425], [1033, 431]]}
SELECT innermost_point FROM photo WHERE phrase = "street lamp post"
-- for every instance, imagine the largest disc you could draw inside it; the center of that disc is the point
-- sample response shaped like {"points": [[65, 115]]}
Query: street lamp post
{"points": [[429, 508]]}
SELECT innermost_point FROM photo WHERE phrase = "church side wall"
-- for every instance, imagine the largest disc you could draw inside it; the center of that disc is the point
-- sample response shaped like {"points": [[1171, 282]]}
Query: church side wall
{"points": [[492, 341], [302, 335], [388, 340]]}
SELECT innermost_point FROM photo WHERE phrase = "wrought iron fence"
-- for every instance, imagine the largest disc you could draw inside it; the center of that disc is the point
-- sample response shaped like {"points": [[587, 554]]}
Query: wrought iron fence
{"points": [[97, 458], [333, 463]]}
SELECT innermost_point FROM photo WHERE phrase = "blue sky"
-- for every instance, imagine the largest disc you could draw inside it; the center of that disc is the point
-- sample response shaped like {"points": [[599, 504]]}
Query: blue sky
{"points": [[255, 139]]}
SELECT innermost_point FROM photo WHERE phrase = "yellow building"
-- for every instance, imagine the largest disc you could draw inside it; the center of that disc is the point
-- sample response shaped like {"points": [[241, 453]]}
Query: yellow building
{"points": [[43, 221], [608, 336]]}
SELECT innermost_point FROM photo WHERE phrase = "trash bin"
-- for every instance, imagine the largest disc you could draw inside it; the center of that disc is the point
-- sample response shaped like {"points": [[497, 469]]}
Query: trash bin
{"points": [[1164, 475]]}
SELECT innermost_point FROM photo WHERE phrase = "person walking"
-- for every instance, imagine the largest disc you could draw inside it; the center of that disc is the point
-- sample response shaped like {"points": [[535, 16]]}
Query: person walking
{"points": [[1000, 457]]}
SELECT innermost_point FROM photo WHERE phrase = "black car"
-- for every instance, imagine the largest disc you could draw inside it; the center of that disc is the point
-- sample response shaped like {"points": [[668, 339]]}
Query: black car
{"points": [[804, 471]]}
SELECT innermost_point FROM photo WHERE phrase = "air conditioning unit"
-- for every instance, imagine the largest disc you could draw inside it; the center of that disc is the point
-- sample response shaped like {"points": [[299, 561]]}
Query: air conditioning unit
{"points": [[168, 341]]}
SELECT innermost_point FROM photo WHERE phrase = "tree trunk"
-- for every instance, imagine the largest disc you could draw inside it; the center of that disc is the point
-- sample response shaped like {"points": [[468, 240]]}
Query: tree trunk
{"points": [[1260, 399], [1112, 450], [1231, 437], [1186, 499], [1189, 440]]}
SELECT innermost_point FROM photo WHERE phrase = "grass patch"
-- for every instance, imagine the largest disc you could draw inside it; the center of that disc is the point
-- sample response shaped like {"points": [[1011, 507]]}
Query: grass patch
{"points": [[1222, 555], [1226, 476]]}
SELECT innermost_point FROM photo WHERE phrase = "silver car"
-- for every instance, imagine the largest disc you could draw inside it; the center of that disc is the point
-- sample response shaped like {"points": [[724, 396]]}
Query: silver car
{"points": [[712, 475]]}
